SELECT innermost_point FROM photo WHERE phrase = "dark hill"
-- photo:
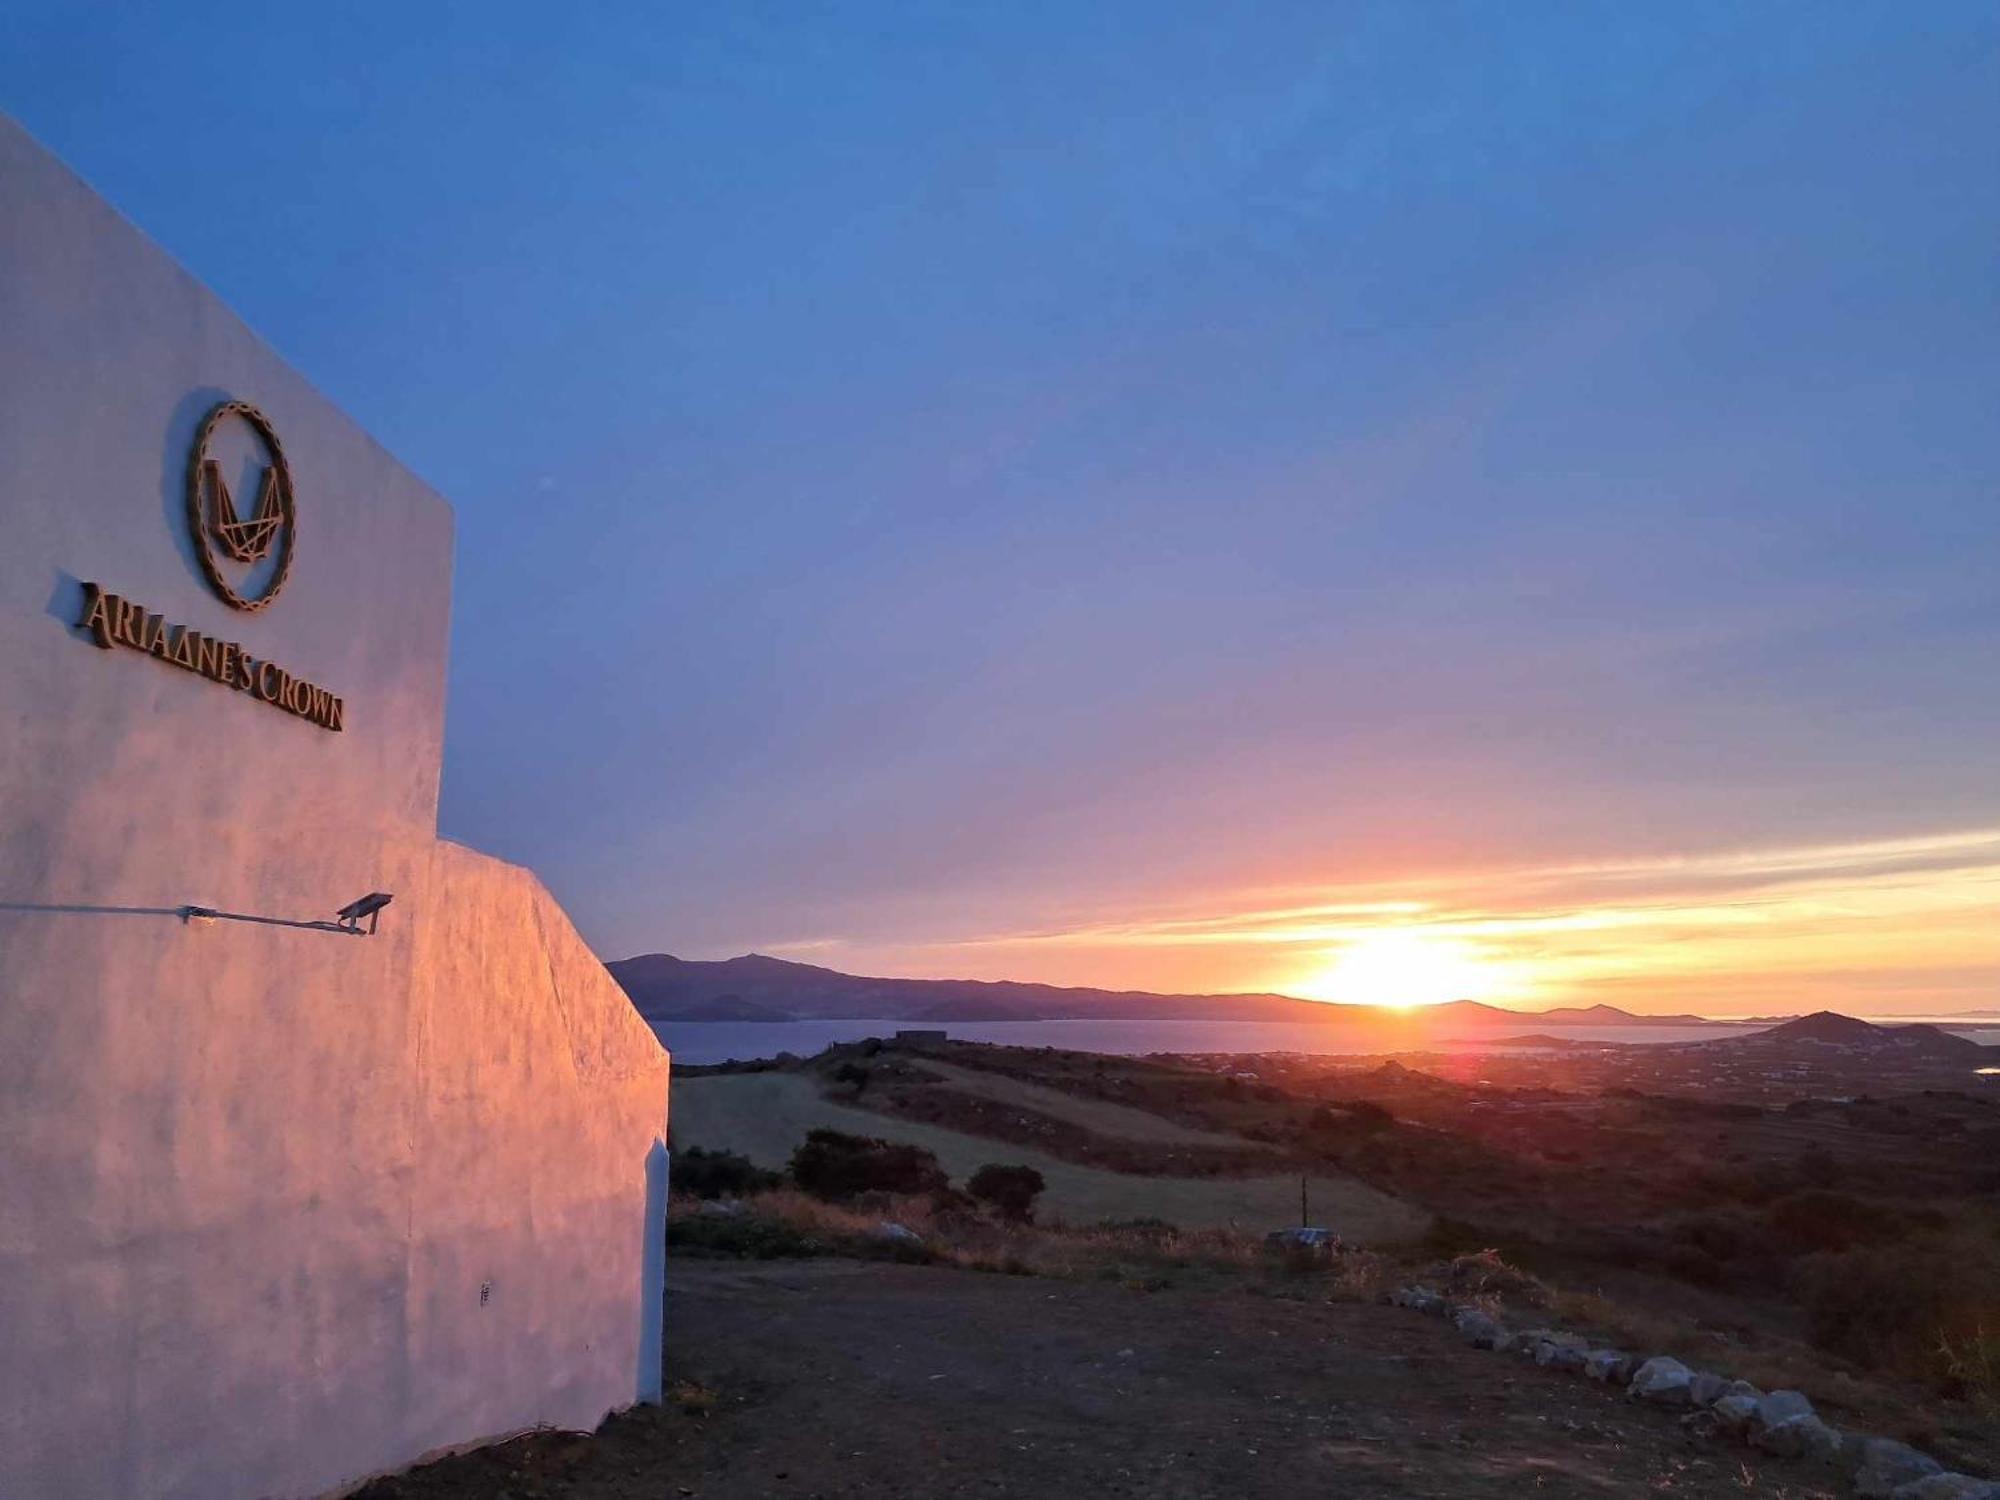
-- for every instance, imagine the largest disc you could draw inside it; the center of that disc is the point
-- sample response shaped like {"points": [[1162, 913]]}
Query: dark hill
{"points": [[1830, 1029], [727, 1008], [665, 987], [757, 986]]}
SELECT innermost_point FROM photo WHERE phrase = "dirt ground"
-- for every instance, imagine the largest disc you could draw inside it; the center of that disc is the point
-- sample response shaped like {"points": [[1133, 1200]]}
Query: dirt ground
{"points": [[834, 1378]]}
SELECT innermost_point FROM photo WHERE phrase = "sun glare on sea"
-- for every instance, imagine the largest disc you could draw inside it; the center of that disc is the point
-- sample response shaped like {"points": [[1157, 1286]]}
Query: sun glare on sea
{"points": [[1403, 970]]}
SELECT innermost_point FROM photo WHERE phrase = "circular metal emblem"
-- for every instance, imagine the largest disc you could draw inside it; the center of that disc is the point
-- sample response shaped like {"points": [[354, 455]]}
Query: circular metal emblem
{"points": [[218, 527]]}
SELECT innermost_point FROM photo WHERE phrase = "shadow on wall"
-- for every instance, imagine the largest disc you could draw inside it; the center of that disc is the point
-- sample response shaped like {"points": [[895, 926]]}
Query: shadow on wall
{"points": [[187, 915], [178, 913], [174, 451], [653, 1277]]}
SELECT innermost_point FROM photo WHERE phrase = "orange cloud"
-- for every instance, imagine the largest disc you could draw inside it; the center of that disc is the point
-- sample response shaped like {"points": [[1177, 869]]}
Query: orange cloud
{"points": [[1902, 925]]}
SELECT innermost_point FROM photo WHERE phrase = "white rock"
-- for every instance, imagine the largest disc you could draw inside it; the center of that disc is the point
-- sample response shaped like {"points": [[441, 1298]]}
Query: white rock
{"points": [[1799, 1437], [1887, 1466], [1480, 1331], [1663, 1380], [1612, 1366], [1948, 1487], [1701, 1423], [1781, 1406], [1563, 1351], [1567, 1358], [1705, 1387], [1528, 1340], [1735, 1413]]}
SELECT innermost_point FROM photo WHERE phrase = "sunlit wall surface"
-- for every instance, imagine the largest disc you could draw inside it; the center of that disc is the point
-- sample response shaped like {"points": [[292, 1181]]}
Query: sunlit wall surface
{"points": [[280, 1207]]}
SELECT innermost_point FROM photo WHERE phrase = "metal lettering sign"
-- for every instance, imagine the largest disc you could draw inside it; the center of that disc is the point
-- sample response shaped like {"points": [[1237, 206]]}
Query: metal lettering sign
{"points": [[222, 534], [213, 518]]}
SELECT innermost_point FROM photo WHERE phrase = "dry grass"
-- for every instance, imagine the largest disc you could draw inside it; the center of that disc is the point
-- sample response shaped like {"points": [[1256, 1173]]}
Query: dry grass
{"points": [[1481, 1275], [765, 1115], [1144, 1256], [694, 1399]]}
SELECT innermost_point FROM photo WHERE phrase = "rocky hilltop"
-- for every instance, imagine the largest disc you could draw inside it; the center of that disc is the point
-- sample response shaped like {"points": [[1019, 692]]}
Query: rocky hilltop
{"points": [[1828, 1028]]}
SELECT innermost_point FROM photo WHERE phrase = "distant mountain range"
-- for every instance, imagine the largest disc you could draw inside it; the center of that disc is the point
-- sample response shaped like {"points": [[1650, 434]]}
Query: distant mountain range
{"points": [[757, 987]]}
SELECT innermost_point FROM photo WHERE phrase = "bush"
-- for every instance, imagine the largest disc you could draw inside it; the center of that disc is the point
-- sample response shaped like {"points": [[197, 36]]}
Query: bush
{"points": [[1819, 1220], [700, 1173], [749, 1238], [1453, 1237], [1928, 1307], [837, 1166], [1358, 1119], [1483, 1273], [1367, 1116], [1727, 1236], [1010, 1190]]}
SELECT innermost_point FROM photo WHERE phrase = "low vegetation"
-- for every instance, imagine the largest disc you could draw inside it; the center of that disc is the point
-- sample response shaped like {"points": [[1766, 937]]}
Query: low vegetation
{"points": [[834, 1165], [702, 1173], [1143, 1256], [1010, 1191], [1844, 1245], [764, 1113]]}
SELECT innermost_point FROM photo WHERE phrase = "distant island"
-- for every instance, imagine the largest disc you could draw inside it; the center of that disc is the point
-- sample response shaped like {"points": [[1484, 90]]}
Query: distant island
{"points": [[757, 987]]}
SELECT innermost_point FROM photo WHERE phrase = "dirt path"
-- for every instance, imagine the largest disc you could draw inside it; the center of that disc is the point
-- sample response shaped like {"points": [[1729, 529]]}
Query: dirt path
{"points": [[842, 1380]]}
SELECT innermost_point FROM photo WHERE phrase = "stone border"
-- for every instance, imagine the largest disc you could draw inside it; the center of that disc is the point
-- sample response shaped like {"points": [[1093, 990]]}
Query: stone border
{"points": [[1781, 1423]]}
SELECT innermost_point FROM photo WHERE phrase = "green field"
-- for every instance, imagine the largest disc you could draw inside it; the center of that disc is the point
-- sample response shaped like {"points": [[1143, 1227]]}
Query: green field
{"points": [[1118, 1121], [765, 1115]]}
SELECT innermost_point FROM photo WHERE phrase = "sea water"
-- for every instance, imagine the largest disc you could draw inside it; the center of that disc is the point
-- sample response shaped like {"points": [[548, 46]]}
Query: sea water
{"points": [[743, 1041]]}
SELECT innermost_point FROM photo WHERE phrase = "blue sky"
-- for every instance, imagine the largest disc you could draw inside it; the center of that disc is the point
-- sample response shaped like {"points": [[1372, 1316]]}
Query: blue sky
{"points": [[941, 485]]}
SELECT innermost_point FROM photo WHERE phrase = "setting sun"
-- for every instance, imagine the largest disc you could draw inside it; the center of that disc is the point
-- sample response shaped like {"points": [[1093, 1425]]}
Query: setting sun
{"points": [[1403, 970]]}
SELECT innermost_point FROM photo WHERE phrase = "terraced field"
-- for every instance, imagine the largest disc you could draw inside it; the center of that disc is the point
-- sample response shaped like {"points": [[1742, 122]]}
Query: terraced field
{"points": [[765, 1115], [1118, 1121]]}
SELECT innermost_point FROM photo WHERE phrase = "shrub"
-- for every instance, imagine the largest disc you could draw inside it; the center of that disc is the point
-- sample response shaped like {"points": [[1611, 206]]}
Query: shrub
{"points": [[749, 1237], [1731, 1237], [1449, 1236], [1367, 1115], [1819, 1220], [1483, 1273], [701, 1173], [836, 1166], [1332, 1124], [1928, 1307], [1010, 1190], [1817, 1167]]}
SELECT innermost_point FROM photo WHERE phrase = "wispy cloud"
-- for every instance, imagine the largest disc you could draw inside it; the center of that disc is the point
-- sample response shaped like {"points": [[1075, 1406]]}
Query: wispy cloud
{"points": [[1909, 917]]}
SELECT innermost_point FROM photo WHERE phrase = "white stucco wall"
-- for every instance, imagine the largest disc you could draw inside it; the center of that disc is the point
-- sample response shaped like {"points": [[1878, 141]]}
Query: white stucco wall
{"points": [[253, 1178]]}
